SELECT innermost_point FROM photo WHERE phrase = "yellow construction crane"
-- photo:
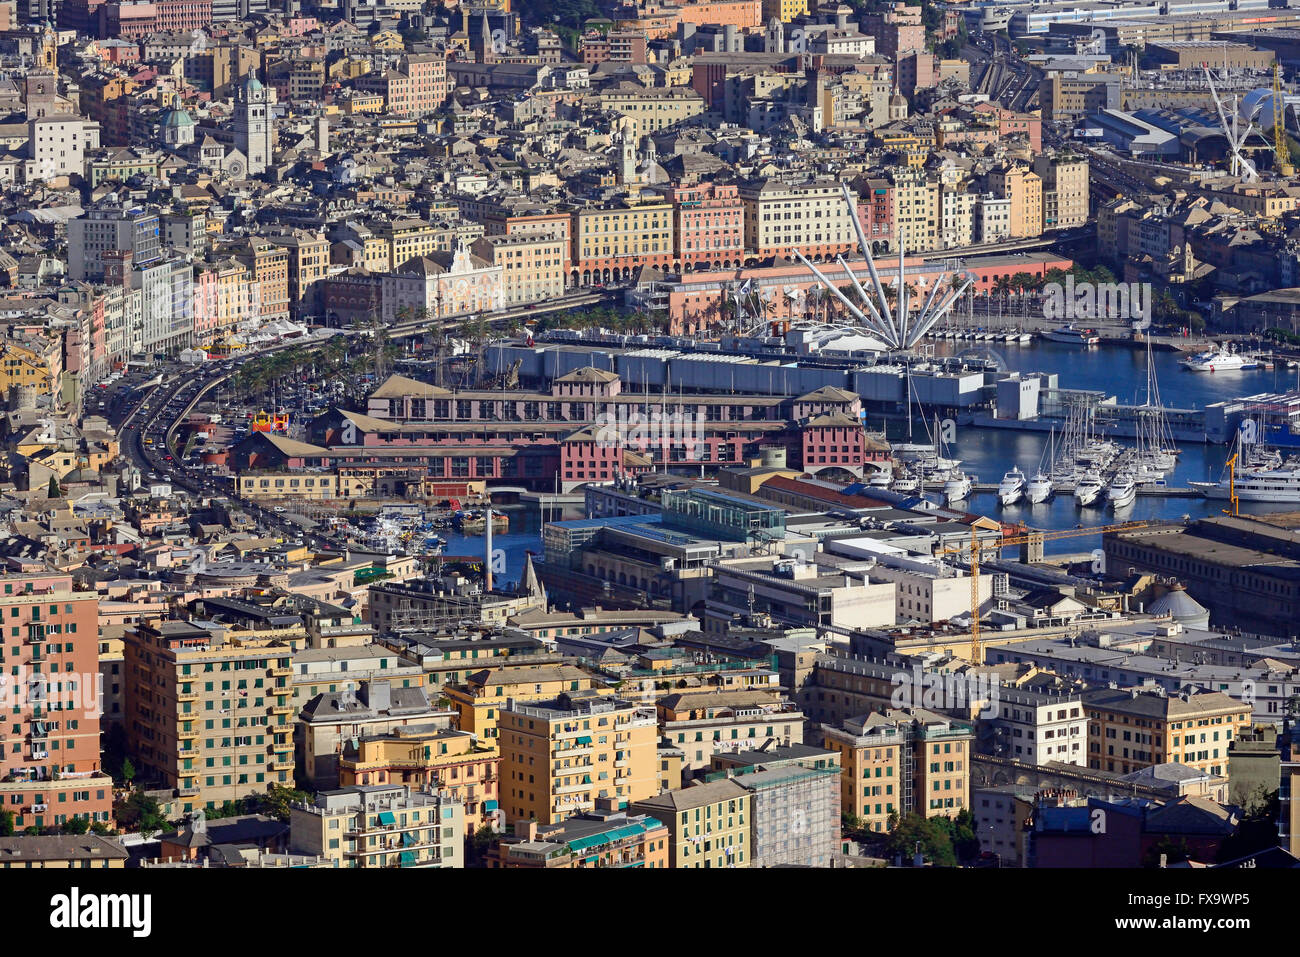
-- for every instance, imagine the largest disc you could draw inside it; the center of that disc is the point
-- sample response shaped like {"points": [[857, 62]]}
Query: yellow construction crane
{"points": [[1231, 466], [1024, 536], [1280, 148]]}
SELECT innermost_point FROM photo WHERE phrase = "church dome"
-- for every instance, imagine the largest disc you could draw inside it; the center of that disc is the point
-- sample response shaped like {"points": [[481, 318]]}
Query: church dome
{"points": [[175, 117]]}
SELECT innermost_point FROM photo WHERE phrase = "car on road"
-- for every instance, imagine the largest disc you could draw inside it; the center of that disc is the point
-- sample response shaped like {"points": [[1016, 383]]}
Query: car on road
{"points": [[279, 508]]}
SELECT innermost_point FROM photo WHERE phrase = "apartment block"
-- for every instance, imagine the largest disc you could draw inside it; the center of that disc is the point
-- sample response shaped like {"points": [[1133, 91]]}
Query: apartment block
{"points": [[1024, 188], [485, 692], [703, 723], [560, 756], [426, 758], [708, 824], [1131, 729], [710, 222], [534, 266], [904, 761], [611, 243], [382, 826], [208, 714], [51, 684], [1065, 189], [916, 210], [794, 815], [812, 217]]}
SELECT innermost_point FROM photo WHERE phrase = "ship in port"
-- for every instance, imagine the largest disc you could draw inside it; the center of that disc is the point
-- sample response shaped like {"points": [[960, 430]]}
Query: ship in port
{"points": [[1012, 487], [1277, 485], [957, 487], [1073, 335], [1122, 490], [1088, 489], [1220, 360]]}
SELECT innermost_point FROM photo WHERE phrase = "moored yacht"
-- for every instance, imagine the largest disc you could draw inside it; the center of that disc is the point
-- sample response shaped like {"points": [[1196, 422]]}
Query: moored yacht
{"points": [[1088, 489], [1122, 490], [1039, 488], [1012, 486], [957, 487]]}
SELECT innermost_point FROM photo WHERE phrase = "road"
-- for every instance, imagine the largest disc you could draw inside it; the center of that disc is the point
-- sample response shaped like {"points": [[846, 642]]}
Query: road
{"points": [[147, 430]]}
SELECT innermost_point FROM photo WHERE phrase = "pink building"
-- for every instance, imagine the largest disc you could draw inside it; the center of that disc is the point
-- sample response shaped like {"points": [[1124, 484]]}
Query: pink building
{"points": [[710, 223]]}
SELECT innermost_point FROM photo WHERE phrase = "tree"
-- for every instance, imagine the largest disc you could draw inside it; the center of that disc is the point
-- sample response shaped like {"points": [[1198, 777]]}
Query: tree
{"points": [[933, 835], [277, 801], [139, 812], [478, 846], [128, 771], [1174, 852], [53, 491], [76, 825], [6, 823]]}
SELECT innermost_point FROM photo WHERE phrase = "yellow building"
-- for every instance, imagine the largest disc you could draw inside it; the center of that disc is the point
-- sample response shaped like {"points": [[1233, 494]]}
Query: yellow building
{"points": [[1131, 730], [31, 361], [560, 755], [1025, 190], [702, 723], [870, 773], [534, 266], [708, 824], [1065, 189], [268, 268], [452, 763], [902, 761], [781, 217], [308, 263], [484, 693], [208, 713], [294, 485], [916, 210], [407, 239], [784, 10], [622, 238], [650, 109]]}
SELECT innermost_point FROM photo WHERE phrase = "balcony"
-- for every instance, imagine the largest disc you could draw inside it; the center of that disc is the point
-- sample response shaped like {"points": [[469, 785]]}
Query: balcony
{"points": [[187, 696], [279, 765], [281, 708], [570, 788], [281, 672], [187, 735]]}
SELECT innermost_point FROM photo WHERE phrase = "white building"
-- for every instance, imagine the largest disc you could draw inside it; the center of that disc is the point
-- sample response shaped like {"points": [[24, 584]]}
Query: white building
{"points": [[56, 146], [1036, 727]]}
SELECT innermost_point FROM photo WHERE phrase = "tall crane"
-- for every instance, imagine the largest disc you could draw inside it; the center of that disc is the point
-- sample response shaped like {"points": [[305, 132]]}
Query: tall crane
{"points": [[1283, 153], [1025, 536]]}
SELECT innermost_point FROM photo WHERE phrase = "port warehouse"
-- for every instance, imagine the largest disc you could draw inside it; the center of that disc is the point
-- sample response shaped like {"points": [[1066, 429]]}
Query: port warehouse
{"points": [[1028, 18], [980, 394]]}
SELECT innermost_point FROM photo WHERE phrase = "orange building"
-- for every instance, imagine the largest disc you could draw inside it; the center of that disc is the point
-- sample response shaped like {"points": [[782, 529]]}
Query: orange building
{"points": [[50, 692], [450, 762], [694, 300]]}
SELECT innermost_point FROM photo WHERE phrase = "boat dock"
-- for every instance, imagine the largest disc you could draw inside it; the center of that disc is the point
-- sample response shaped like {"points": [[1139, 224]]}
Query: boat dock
{"points": [[1067, 488]]}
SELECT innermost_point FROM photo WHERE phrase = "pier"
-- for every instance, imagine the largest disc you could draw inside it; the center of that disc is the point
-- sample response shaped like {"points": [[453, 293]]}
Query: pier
{"points": [[1067, 488]]}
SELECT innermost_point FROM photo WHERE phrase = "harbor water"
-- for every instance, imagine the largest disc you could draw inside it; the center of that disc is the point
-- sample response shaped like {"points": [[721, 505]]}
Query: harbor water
{"points": [[988, 453]]}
